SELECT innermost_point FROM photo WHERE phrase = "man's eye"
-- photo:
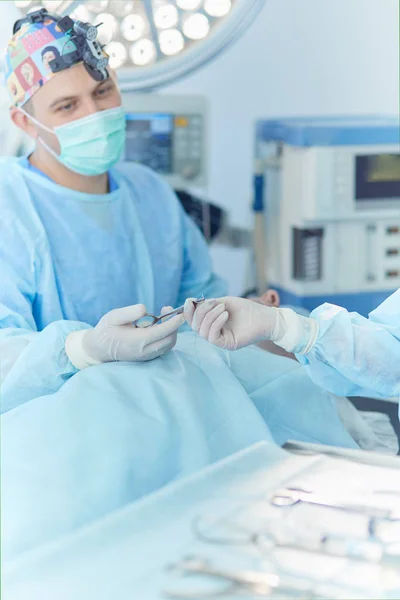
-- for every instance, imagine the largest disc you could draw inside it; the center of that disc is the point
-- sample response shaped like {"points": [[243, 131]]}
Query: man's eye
{"points": [[66, 107], [104, 90]]}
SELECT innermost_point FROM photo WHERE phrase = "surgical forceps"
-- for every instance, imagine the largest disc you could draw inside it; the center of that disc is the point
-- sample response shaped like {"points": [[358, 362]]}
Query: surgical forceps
{"points": [[148, 320], [291, 496], [256, 583]]}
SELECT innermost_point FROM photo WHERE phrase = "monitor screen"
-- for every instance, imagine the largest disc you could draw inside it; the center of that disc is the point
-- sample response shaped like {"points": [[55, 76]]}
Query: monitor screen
{"points": [[149, 140], [377, 176]]}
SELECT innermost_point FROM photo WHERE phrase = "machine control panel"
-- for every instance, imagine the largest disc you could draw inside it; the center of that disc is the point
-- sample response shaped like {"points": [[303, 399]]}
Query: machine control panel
{"points": [[168, 134]]}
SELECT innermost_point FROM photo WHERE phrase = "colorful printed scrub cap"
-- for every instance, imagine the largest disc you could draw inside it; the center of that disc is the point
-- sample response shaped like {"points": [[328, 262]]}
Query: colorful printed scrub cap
{"points": [[28, 55]]}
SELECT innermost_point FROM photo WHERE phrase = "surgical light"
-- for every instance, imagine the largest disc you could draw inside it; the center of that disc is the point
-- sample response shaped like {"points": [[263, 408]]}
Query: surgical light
{"points": [[196, 26], [108, 27], [189, 4], [154, 42], [142, 52], [80, 13], [122, 8], [97, 6], [52, 5], [166, 16], [118, 54], [171, 42], [133, 27], [217, 8]]}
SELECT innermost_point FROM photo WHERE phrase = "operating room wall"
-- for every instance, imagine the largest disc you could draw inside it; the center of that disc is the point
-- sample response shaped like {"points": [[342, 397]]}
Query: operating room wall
{"points": [[300, 57]]}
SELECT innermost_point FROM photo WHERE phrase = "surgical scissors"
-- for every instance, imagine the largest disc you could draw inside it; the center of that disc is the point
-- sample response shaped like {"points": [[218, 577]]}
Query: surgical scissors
{"points": [[148, 320], [291, 496]]}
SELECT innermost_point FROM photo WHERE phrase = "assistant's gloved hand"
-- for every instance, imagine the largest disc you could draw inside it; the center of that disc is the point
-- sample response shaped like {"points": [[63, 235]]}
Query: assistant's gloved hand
{"points": [[115, 338], [232, 323]]}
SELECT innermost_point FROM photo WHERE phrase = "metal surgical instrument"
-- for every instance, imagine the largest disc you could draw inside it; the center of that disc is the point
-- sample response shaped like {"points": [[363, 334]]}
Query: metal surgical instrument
{"points": [[256, 583], [324, 544], [148, 320], [292, 496]]}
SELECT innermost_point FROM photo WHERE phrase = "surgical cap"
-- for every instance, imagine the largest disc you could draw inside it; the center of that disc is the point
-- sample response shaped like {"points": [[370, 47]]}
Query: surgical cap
{"points": [[28, 55]]}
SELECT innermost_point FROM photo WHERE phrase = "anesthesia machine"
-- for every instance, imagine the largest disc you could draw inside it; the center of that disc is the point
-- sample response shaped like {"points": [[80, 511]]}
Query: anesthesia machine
{"points": [[329, 191]]}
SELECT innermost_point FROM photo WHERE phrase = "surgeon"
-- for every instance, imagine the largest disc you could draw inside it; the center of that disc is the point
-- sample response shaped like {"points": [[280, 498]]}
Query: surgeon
{"points": [[86, 246], [345, 353]]}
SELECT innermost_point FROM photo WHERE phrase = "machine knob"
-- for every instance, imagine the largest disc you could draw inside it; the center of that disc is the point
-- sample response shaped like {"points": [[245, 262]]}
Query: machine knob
{"points": [[189, 172]]}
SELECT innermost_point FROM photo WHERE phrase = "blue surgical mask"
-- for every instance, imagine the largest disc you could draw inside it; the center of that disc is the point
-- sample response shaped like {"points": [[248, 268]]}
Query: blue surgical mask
{"points": [[89, 146]]}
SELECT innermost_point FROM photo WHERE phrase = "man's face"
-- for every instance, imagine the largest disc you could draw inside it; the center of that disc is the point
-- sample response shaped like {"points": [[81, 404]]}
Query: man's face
{"points": [[70, 95], [47, 57]]}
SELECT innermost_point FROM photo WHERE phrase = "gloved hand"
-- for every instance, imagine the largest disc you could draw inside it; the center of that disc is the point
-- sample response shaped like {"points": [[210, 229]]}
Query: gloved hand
{"points": [[115, 338], [232, 323]]}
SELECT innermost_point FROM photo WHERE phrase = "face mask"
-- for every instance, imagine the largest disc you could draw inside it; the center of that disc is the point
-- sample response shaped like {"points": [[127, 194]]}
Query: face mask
{"points": [[89, 146]]}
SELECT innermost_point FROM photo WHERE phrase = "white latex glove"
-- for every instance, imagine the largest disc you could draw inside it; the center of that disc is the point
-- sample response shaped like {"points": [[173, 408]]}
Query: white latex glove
{"points": [[232, 323], [115, 338]]}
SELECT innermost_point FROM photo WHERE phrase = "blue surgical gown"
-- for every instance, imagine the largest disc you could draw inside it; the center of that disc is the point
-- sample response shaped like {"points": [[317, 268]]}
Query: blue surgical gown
{"points": [[119, 431], [356, 356], [67, 258]]}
